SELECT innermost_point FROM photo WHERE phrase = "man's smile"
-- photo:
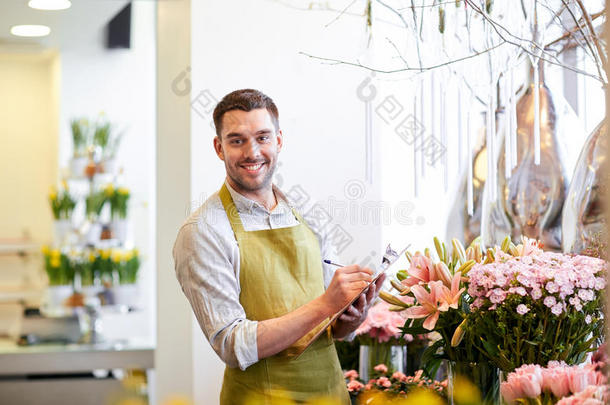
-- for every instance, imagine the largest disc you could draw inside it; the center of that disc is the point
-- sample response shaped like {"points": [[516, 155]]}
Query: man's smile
{"points": [[253, 167]]}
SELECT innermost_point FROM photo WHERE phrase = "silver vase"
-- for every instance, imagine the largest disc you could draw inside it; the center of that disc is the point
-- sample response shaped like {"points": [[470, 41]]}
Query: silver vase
{"points": [[583, 225], [530, 201]]}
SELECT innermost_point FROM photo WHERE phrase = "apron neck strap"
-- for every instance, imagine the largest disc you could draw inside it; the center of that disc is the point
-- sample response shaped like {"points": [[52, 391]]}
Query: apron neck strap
{"points": [[233, 214], [231, 210], [298, 216]]}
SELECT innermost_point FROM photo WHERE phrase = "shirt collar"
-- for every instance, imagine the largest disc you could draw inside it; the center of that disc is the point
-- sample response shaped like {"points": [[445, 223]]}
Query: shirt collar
{"points": [[245, 204]]}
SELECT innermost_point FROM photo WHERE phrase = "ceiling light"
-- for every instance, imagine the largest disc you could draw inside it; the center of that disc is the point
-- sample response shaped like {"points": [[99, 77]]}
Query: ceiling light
{"points": [[30, 30], [50, 4]]}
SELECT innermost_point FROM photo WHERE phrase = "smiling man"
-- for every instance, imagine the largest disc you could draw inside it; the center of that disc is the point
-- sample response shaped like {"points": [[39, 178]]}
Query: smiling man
{"points": [[252, 270]]}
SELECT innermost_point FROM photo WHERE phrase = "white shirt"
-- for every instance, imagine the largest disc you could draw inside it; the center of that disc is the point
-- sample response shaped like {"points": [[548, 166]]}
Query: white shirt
{"points": [[206, 258]]}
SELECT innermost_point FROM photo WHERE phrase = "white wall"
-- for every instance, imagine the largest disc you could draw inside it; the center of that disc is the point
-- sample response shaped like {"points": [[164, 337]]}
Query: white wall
{"points": [[121, 83], [320, 115]]}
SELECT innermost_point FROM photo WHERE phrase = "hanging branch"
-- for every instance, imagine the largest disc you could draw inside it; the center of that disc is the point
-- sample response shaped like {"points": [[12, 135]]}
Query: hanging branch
{"points": [[570, 33], [404, 23], [406, 69], [592, 42], [593, 54], [553, 60], [587, 18]]}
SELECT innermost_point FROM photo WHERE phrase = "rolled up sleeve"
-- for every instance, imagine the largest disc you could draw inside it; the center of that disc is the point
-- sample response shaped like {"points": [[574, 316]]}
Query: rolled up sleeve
{"points": [[208, 278]]}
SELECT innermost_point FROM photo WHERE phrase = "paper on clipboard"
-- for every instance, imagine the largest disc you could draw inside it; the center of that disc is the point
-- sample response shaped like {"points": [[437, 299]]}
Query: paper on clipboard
{"points": [[389, 258]]}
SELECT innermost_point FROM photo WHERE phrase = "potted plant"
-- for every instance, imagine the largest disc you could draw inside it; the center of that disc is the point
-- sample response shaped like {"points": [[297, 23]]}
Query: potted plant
{"points": [[94, 204], [80, 140], [108, 141], [126, 265], [119, 199], [89, 274], [62, 206], [60, 275]]}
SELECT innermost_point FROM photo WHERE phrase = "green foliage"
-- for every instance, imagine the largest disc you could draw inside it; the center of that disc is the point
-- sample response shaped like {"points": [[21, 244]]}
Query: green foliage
{"points": [[62, 204], [509, 340], [95, 203], [58, 267], [80, 135]]}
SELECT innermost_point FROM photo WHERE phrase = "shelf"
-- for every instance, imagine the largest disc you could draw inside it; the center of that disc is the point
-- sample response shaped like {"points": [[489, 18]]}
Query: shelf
{"points": [[18, 248], [19, 295]]}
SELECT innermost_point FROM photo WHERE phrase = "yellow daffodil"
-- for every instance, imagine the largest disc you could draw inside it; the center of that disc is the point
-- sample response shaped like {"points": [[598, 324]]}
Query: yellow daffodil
{"points": [[55, 253], [52, 193], [123, 190], [421, 397], [465, 392], [128, 255], [109, 190], [116, 256], [91, 257], [104, 254], [55, 262], [45, 250]]}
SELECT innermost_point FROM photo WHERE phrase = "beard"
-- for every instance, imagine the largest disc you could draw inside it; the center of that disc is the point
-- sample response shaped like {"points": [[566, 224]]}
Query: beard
{"points": [[252, 185]]}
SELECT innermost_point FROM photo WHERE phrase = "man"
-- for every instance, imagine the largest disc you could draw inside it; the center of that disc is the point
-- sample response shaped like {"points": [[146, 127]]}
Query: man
{"points": [[252, 270]]}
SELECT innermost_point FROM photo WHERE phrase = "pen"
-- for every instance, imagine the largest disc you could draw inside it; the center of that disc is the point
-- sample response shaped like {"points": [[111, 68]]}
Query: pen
{"points": [[334, 264]]}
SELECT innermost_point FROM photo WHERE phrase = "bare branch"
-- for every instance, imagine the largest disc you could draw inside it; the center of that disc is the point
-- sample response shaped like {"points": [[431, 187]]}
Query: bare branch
{"points": [[406, 69], [576, 21], [404, 23], [340, 14], [553, 60], [587, 18], [572, 31]]}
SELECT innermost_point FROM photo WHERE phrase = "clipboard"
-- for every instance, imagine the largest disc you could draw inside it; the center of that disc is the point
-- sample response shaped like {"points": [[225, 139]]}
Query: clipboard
{"points": [[389, 258]]}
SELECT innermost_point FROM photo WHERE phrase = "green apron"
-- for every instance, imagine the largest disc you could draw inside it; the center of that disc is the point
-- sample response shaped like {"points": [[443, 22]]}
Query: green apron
{"points": [[280, 270]]}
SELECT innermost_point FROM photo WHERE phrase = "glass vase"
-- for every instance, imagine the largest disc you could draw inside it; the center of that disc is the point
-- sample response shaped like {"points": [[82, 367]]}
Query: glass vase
{"points": [[465, 378], [583, 225], [394, 357], [532, 197], [414, 356]]}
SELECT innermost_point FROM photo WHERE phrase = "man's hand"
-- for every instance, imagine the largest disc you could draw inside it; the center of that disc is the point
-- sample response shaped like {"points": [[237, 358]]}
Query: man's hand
{"points": [[347, 282], [356, 313]]}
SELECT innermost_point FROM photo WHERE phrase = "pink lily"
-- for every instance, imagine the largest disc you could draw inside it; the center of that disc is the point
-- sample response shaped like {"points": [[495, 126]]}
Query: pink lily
{"points": [[421, 270], [451, 298], [428, 304]]}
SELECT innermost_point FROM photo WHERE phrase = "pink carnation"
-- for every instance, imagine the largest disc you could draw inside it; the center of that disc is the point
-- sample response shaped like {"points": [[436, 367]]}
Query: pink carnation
{"points": [[384, 382], [354, 385], [381, 368]]}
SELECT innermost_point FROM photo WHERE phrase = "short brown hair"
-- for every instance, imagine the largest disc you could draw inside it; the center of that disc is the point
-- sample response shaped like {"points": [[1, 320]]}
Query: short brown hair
{"points": [[245, 100]]}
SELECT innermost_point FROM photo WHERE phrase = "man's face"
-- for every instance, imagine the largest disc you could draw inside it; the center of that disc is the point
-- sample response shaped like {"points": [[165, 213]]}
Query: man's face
{"points": [[249, 146]]}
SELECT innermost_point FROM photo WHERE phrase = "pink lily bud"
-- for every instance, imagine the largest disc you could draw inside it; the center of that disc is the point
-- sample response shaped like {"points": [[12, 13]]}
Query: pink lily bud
{"points": [[443, 273]]}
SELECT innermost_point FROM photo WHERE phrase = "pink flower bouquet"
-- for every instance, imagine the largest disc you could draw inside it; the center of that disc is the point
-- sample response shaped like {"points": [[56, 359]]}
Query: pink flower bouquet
{"points": [[393, 383], [383, 325], [439, 302], [556, 383], [532, 306]]}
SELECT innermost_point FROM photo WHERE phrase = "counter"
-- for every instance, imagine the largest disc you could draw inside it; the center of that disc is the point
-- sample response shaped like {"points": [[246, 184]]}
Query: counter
{"points": [[62, 374]]}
